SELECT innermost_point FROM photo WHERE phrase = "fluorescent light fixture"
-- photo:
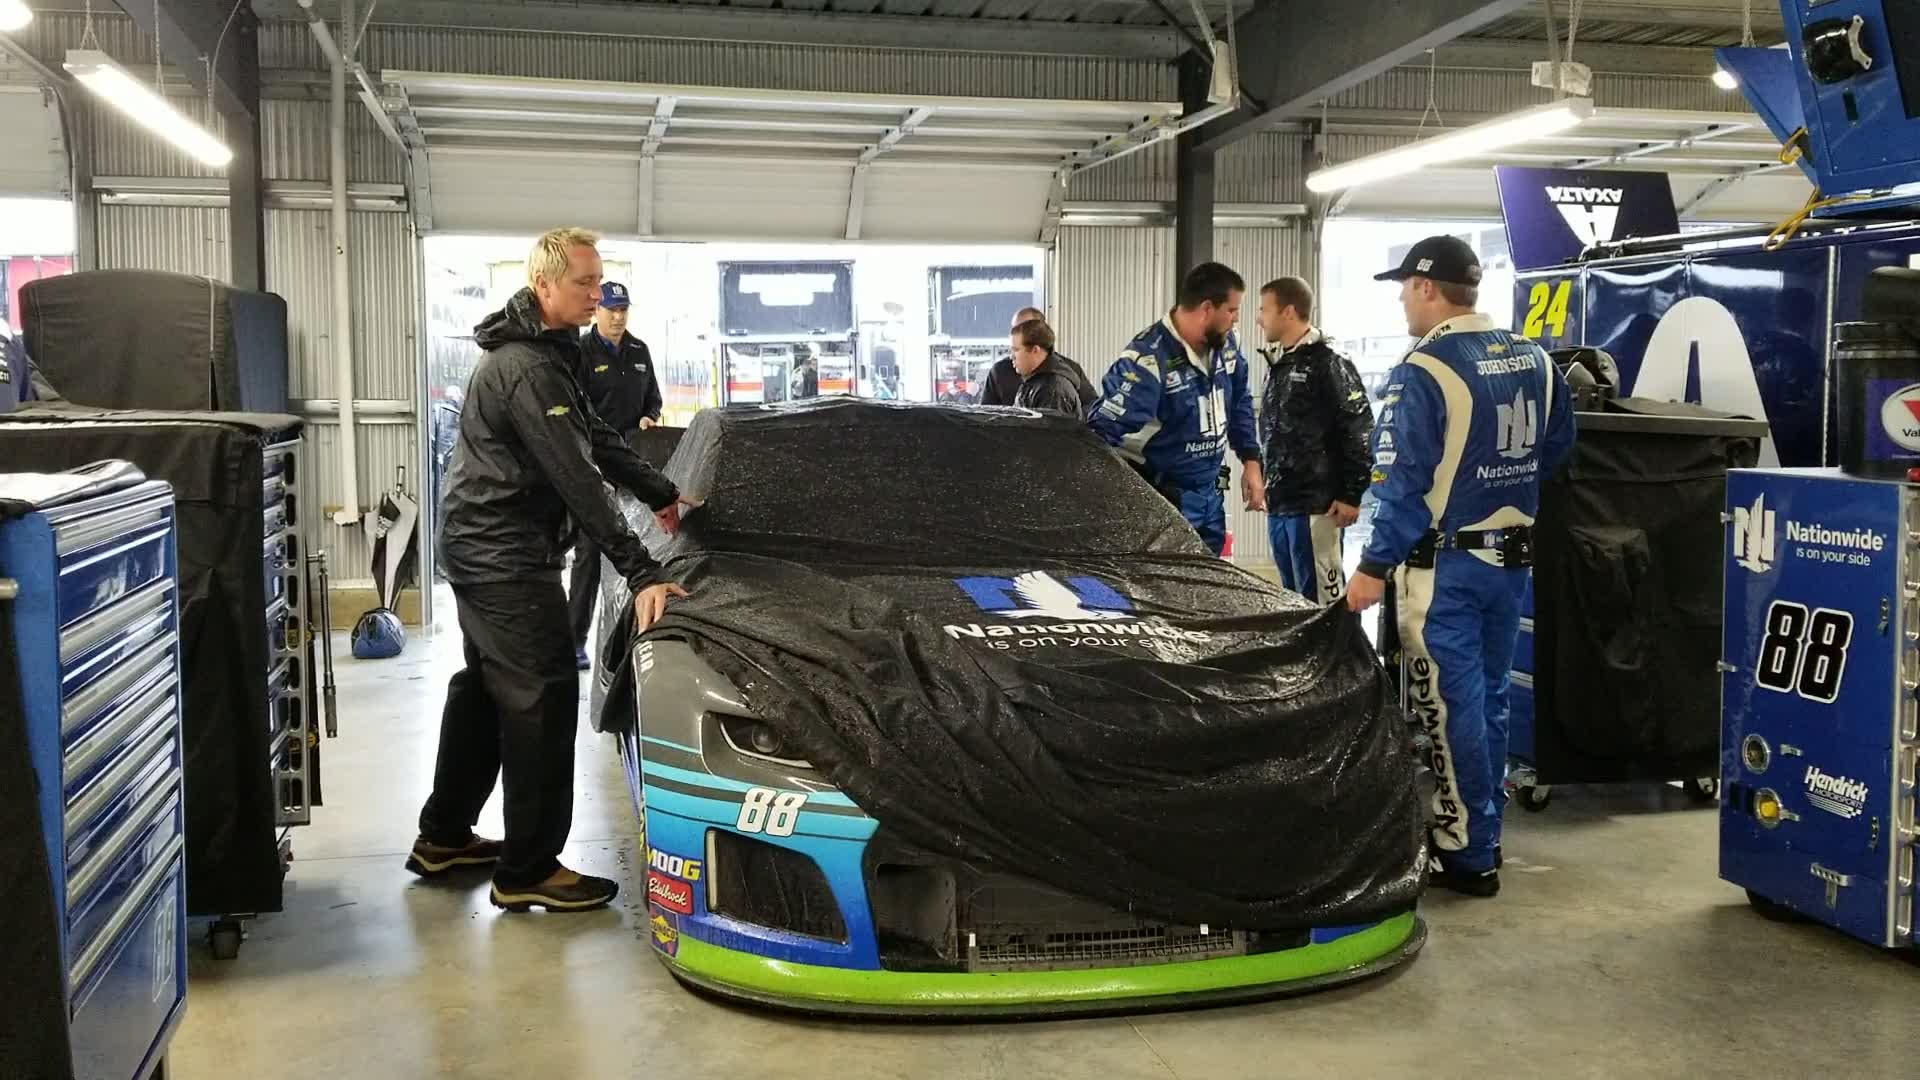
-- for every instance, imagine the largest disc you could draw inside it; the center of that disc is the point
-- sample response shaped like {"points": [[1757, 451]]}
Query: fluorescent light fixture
{"points": [[1509, 130], [97, 72], [1724, 79], [14, 15]]}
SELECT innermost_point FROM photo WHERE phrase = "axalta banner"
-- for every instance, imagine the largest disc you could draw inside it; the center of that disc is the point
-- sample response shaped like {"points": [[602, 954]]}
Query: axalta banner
{"points": [[1554, 214]]}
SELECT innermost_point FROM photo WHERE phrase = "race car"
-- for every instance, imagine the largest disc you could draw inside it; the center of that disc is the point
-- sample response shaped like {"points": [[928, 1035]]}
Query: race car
{"points": [[879, 777]]}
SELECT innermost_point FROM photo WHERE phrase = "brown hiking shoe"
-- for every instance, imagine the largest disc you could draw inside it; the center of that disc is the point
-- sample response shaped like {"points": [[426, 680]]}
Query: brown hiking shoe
{"points": [[563, 890], [427, 859]]}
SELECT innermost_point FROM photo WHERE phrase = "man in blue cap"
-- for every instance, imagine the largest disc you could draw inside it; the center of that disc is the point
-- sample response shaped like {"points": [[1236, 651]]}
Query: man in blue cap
{"points": [[616, 371]]}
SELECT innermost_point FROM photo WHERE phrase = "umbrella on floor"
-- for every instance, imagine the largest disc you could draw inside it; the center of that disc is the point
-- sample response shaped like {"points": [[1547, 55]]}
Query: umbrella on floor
{"points": [[379, 634]]}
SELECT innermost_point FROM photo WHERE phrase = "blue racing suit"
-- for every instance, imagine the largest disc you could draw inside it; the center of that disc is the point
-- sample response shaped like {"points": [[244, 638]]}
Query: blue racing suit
{"points": [[1173, 413], [1474, 421]]}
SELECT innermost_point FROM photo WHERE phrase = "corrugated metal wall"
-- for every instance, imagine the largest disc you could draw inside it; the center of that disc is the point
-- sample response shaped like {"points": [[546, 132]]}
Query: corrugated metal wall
{"points": [[182, 239]]}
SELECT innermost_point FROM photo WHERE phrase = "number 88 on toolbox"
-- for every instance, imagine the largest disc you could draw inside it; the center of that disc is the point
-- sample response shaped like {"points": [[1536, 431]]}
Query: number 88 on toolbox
{"points": [[1816, 728]]}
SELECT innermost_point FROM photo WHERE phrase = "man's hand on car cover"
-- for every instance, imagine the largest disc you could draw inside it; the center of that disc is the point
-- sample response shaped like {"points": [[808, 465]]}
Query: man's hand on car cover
{"points": [[669, 517], [650, 603]]}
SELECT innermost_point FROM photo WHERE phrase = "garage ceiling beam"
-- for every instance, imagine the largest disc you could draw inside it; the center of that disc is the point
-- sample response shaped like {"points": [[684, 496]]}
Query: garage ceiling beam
{"points": [[1295, 54], [1725, 13], [1502, 54], [660, 20], [657, 125], [189, 32]]}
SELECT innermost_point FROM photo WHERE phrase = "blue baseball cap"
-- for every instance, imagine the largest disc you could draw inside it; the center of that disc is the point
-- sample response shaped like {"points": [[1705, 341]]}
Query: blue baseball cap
{"points": [[613, 295]]}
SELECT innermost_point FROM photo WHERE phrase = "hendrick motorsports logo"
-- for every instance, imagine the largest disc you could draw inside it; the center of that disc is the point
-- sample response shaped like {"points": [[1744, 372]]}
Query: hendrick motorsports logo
{"points": [[1040, 609], [1837, 795], [1591, 212], [1900, 416]]}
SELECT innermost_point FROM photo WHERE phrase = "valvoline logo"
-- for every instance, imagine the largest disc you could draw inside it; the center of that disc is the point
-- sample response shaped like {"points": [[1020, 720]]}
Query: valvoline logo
{"points": [[1900, 416]]}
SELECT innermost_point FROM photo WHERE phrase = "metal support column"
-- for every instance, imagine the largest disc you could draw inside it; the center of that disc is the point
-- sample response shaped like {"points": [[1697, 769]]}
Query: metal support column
{"points": [[246, 208], [1193, 176]]}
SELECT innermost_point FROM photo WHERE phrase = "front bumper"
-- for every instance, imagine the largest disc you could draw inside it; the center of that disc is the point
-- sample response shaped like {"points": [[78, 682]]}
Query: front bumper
{"points": [[809, 988]]}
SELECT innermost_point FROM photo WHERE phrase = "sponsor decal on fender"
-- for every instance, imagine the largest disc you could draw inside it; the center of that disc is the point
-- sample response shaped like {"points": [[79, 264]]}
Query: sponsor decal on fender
{"points": [[664, 930], [673, 865], [676, 896]]}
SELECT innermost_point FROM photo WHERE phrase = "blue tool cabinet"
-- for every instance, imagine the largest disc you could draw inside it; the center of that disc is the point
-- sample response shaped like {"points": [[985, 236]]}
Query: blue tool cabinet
{"points": [[1820, 718], [96, 638]]}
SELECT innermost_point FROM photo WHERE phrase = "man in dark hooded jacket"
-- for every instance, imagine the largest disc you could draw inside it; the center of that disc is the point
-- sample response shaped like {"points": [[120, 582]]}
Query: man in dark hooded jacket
{"points": [[1002, 384], [527, 469], [1045, 385]]}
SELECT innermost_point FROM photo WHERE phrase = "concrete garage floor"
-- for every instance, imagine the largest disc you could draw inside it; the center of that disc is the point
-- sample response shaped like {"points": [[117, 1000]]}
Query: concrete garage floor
{"points": [[1614, 951]]}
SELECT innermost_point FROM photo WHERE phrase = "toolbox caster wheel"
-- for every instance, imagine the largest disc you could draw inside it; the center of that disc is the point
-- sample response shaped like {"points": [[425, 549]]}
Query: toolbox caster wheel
{"points": [[1771, 910], [224, 938], [1533, 798], [1702, 791]]}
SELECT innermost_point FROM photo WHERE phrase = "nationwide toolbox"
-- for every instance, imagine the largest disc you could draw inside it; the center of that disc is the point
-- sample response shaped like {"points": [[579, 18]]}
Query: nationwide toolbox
{"points": [[88, 559], [1820, 723]]}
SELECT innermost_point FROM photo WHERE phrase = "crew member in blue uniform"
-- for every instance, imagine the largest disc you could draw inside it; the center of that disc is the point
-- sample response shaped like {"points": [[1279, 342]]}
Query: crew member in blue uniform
{"points": [[1473, 422], [1177, 399]]}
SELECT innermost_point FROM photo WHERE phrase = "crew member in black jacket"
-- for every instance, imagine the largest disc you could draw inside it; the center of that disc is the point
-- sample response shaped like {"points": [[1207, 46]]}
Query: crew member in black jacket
{"points": [[527, 465], [616, 370], [1002, 385], [1044, 382], [1314, 427]]}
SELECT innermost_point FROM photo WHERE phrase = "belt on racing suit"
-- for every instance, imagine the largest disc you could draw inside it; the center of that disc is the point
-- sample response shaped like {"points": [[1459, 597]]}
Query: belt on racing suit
{"points": [[1170, 490], [1512, 546]]}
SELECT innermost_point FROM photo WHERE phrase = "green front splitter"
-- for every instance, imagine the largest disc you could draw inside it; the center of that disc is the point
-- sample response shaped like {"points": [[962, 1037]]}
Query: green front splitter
{"points": [[807, 988]]}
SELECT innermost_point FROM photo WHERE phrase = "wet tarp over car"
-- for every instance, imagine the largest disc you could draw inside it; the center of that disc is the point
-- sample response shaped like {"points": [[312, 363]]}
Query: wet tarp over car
{"points": [[1004, 646]]}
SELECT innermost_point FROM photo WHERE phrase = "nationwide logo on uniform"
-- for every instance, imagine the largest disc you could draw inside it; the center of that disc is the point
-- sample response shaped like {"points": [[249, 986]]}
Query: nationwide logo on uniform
{"points": [[1837, 795], [1753, 536], [1517, 426], [1591, 212], [1035, 604], [1900, 416]]}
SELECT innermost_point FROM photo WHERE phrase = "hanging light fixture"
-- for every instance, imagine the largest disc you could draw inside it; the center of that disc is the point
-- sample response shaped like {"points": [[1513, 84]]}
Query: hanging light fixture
{"points": [[1723, 78], [1475, 141], [117, 86], [14, 15]]}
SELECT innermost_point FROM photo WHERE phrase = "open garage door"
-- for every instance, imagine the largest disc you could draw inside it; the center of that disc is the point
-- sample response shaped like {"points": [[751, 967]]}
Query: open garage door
{"points": [[702, 163], [33, 159]]}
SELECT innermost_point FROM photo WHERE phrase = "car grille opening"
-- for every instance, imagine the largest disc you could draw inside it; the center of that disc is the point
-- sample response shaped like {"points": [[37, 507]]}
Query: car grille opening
{"points": [[760, 883], [933, 913]]}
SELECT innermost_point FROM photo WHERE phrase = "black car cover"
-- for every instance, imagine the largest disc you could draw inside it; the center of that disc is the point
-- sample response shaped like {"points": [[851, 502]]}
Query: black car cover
{"points": [[1055, 678]]}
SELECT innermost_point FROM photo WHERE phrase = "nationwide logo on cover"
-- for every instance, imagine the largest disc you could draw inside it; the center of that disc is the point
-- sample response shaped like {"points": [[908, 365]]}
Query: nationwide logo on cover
{"points": [[674, 895], [1753, 536], [1900, 416], [1837, 795], [1036, 608]]}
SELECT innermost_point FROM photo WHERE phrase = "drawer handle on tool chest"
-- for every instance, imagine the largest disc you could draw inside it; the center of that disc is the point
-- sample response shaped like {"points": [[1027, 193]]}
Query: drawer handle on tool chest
{"points": [[137, 898], [85, 532], [159, 802], [108, 787], [96, 626], [86, 704], [115, 733]]}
